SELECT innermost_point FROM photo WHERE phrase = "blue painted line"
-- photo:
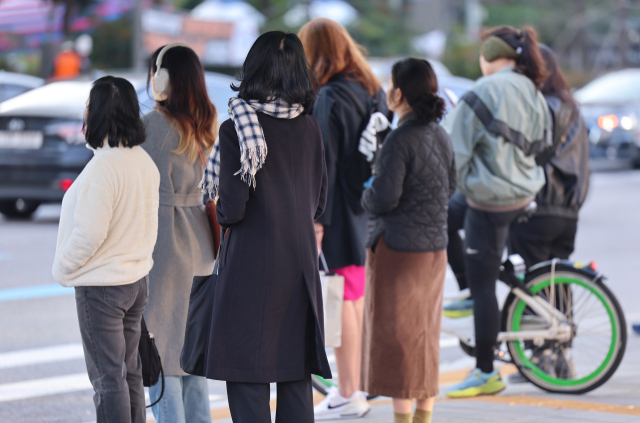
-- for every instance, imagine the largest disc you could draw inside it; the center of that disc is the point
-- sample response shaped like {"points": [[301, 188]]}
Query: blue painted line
{"points": [[38, 291]]}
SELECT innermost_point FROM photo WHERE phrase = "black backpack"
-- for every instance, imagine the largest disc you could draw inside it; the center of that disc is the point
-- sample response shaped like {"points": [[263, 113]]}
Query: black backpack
{"points": [[358, 167]]}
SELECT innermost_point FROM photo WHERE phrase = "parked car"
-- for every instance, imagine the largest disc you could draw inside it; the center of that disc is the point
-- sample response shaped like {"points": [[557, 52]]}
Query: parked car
{"points": [[610, 105], [14, 84], [42, 148]]}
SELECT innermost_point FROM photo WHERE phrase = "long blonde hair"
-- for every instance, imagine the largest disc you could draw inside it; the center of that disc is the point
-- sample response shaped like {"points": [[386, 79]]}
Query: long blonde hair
{"points": [[188, 106], [331, 51]]}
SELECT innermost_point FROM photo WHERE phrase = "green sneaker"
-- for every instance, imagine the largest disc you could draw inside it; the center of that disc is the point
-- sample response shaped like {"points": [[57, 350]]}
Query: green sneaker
{"points": [[478, 383], [458, 309]]}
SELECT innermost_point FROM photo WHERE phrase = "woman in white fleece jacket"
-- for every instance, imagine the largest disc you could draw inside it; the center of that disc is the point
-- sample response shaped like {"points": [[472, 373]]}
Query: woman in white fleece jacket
{"points": [[108, 229]]}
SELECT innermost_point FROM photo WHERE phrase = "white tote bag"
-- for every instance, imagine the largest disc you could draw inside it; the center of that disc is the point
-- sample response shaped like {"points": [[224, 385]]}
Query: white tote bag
{"points": [[332, 298]]}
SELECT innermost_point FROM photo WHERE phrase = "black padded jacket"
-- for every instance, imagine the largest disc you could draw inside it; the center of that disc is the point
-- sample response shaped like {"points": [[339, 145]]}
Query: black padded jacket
{"points": [[415, 175], [566, 163]]}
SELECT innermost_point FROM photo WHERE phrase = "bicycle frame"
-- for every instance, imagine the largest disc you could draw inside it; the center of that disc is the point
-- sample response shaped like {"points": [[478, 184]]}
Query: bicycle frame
{"points": [[559, 328]]}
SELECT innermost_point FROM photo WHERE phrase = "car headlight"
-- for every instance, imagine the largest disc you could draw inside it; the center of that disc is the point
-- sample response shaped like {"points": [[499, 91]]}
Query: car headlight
{"points": [[608, 122], [70, 131], [628, 122]]}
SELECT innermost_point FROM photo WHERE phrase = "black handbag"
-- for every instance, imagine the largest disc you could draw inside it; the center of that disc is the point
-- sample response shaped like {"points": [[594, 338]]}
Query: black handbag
{"points": [[196, 335], [150, 359]]}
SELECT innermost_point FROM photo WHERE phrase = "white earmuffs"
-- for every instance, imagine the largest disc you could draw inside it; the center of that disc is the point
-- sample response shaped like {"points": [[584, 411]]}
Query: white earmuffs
{"points": [[161, 77]]}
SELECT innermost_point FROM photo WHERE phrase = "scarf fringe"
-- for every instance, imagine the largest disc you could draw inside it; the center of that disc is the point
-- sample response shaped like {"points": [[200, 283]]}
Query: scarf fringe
{"points": [[253, 146], [251, 161], [209, 188]]}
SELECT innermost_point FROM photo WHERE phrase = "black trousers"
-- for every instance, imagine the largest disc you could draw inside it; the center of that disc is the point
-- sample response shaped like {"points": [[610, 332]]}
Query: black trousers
{"points": [[543, 238], [249, 402], [476, 262], [455, 221]]}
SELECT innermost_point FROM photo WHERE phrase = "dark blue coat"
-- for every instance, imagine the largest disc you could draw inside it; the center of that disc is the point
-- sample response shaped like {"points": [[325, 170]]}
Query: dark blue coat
{"points": [[267, 323]]}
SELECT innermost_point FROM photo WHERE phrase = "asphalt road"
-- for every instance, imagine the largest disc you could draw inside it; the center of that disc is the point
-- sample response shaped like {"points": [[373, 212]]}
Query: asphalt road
{"points": [[42, 370]]}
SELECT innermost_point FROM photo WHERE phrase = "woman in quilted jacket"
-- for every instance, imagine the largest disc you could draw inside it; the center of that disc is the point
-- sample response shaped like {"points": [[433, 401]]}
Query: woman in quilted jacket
{"points": [[406, 258]]}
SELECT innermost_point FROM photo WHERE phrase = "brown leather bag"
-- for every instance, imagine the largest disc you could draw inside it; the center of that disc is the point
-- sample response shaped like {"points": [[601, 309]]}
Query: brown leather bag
{"points": [[210, 207]]}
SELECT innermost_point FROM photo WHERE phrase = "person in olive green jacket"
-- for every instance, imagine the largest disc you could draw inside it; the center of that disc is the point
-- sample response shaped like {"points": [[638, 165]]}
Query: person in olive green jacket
{"points": [[496, 130]]}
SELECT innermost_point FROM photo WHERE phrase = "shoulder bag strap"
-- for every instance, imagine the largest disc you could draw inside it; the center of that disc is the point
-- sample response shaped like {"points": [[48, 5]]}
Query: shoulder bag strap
{"points": [[201, 153]]}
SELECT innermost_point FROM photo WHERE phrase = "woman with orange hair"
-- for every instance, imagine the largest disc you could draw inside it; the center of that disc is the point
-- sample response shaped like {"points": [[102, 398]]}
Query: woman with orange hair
{"points": [[349, 94]]}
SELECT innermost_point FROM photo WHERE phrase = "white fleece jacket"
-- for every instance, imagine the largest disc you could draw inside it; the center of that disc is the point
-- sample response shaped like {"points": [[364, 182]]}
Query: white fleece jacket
{"points": [[109, 220]]}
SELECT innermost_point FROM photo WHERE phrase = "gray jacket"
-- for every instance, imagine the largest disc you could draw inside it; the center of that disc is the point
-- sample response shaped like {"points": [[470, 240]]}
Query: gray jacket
{"points": [[497, 129], [185, 244], [408, 200]]}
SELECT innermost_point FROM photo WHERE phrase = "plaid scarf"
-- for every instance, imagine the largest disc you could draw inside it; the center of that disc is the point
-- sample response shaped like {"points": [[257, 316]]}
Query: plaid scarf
{"points": [[253, 147]]}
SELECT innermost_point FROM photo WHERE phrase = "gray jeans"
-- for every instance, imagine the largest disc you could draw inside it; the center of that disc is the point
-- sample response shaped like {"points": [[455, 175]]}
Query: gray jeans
{"points": [[109, 318]]}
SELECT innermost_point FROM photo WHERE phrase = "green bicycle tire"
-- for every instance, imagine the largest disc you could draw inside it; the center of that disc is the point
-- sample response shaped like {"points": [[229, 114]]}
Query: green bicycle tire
{"points": [[568, 275]]}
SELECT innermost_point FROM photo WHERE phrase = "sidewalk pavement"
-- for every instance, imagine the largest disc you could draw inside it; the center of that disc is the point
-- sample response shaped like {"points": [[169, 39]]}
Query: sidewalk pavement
{"points": [[618, 401]]}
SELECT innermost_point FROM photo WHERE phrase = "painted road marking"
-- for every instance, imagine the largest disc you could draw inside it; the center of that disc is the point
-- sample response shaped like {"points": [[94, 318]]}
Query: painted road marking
{"points": [[65, 352], [629, 410], [41, 355], [41, 387], [38, 291]]}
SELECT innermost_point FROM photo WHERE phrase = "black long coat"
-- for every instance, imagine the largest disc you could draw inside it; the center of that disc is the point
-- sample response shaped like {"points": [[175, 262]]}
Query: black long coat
{"points": [[341, 123], [267, 323]]}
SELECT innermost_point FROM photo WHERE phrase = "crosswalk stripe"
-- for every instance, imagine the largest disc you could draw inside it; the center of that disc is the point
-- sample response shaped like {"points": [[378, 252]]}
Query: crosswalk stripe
{"points": [[74, 351], [41, 387], [37, 291], [41, 355]]}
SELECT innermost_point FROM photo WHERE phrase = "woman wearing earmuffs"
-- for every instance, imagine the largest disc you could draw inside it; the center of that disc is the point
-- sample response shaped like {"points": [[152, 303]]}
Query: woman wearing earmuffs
{"points": [[183, 124]]}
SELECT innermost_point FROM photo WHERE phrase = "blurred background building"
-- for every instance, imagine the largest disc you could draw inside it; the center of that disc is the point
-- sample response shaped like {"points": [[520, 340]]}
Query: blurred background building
{"points": [[590, 36]]}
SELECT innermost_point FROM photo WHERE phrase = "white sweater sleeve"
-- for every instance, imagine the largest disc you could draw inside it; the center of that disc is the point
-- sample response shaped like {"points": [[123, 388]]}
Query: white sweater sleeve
{"points": [[92, 217]]}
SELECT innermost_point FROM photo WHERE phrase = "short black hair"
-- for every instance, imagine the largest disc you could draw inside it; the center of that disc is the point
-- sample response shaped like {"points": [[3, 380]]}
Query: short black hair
{"points": [[113, 113], [277, 67]]}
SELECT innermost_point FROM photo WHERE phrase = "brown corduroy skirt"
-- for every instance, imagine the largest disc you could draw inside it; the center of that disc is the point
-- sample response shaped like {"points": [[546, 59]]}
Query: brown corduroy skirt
{"points": [[402, 315]]}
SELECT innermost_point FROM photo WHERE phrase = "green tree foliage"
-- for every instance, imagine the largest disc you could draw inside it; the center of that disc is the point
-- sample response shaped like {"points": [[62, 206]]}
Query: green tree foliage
{"points": [[187, 4], [461, 56], [381, 29], [112, 44]]}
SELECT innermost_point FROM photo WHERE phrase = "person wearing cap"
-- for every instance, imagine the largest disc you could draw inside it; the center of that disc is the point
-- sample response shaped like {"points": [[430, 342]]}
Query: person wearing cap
{"points": [[496, 130]]}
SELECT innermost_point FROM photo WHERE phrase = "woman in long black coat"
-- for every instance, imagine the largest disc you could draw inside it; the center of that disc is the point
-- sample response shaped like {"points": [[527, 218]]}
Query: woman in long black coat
{"points": [[267, 316]]}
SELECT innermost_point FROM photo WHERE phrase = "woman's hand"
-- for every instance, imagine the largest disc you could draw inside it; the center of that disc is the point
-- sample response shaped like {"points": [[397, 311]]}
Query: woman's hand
{"points": [[319, 235]]}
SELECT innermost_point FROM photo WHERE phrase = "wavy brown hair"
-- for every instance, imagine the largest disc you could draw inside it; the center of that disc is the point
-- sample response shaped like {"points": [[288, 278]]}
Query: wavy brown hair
{"points": [[331, 51], [188, 105], [530, 63]]}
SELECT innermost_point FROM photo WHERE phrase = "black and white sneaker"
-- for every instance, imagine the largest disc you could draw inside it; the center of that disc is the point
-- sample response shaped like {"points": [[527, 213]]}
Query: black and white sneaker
{"points": [[337, 407]]}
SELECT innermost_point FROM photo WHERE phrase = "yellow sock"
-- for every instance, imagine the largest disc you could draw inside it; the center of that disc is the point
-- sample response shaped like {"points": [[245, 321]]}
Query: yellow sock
{"points": [[422, 416], [401, 418]]}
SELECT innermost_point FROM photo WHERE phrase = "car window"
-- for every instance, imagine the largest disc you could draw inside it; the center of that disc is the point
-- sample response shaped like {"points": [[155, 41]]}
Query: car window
{"points": [[8, 91], [616, 87]]}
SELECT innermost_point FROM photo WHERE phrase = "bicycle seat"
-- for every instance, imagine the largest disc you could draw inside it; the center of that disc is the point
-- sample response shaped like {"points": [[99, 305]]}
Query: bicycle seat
{"points": [[528, 211]]}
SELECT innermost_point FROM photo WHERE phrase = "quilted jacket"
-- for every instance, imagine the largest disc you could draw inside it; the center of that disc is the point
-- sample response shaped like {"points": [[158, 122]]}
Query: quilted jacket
{"points": [[415, 175]]}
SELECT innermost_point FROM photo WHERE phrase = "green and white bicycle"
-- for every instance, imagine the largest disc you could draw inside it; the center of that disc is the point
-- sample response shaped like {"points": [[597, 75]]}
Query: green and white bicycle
{"points": [[563, 328]]}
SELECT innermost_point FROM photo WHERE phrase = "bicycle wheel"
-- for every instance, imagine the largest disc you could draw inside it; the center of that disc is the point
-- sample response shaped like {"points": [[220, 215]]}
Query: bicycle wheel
{"points": [[323, 385], [599, 334]]}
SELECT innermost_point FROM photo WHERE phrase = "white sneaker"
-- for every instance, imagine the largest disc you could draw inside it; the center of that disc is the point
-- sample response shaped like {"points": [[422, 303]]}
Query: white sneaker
{"points": [[336, 407]]}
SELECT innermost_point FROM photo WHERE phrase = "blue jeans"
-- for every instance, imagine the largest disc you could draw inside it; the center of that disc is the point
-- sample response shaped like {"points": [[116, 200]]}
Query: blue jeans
{"points": [[185, 400]]}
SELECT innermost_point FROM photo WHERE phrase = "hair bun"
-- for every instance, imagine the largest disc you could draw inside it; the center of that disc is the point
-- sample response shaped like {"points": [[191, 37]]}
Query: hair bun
{"points": [[428, 107]]}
